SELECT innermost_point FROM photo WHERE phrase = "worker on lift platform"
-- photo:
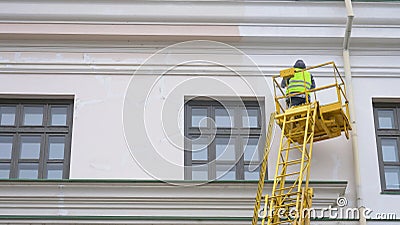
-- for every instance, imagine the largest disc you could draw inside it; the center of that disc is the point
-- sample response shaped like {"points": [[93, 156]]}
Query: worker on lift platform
{"points": [[297, 84]]}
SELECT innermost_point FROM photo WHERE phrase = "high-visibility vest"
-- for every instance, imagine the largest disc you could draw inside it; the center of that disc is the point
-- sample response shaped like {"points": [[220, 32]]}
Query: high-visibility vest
{"points": [[299, 82]]}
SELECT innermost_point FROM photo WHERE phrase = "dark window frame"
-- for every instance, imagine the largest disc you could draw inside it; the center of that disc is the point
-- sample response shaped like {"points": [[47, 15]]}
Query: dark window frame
{"points": [[237, 132], [386, 133], [45, 131]]}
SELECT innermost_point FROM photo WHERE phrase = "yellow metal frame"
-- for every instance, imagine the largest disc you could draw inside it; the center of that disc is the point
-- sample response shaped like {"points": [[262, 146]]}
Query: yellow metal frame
{"points": [[263, 171], [333, 118], [301, 127], [293, 162], [287, 73]]}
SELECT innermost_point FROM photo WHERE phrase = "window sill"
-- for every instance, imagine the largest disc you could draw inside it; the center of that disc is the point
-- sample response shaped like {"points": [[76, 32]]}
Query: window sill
{"points": [[394, 192], [74, 180]]}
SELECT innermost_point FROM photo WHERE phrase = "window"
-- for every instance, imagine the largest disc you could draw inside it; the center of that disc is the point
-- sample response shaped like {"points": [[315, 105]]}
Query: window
{"points": [[35, 137], [388, 137], [222, 140]]}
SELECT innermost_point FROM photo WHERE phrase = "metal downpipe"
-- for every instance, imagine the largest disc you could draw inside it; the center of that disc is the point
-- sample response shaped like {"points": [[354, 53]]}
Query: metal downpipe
{"points": [[354, 137]]}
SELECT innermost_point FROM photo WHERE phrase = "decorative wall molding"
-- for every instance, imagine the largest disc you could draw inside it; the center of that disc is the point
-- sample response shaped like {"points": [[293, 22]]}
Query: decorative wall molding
{"points": [[118, 58], [215, 12], [172, 12], [128, 69], [265, 21], [142, 198]]}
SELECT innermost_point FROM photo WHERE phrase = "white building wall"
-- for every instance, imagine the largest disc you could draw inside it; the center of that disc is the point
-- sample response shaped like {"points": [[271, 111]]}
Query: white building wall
{"points": [[98, 132], [365, 90], [67, 48]]}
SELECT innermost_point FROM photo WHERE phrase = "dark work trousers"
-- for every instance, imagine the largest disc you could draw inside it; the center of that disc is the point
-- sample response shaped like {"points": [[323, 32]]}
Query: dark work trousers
{"points": [[293, 101]]}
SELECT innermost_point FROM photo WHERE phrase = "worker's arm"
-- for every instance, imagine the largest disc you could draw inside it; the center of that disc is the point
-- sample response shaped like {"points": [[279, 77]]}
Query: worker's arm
{"points": [[312, 82], [284, 82]]}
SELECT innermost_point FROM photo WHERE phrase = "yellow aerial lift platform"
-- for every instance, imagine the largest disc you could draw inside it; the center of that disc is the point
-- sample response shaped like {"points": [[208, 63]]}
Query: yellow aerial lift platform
{"points": [[301, 126]]}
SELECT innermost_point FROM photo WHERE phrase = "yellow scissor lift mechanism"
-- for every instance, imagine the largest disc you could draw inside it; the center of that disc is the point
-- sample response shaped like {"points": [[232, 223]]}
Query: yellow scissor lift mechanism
{"points": [[301, 126]]}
